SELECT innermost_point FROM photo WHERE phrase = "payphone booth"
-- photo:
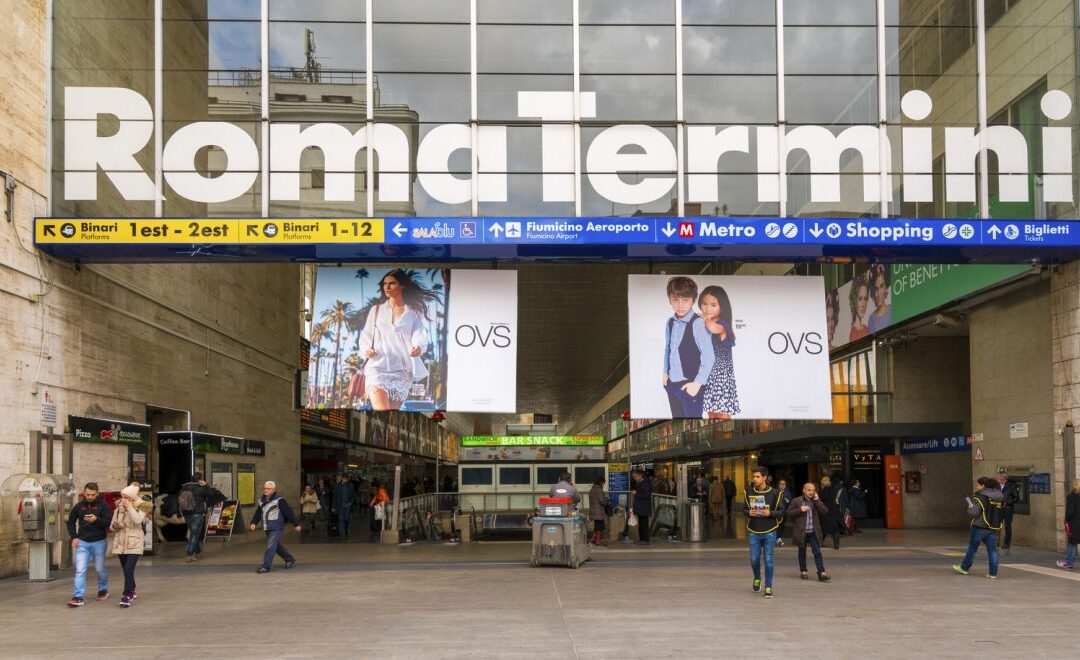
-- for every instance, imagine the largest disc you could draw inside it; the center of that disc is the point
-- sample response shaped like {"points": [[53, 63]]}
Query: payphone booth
{"points": [[41, 503]]}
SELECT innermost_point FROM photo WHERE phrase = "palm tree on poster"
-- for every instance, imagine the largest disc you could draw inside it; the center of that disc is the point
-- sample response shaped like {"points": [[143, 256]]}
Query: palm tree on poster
{"points": [[320, 391], [337, 316], [362, 274], [318, 334]]}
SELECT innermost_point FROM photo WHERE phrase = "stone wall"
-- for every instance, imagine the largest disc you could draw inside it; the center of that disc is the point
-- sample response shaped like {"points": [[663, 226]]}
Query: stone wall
{"points": [[113, 341], [1012, 381]]}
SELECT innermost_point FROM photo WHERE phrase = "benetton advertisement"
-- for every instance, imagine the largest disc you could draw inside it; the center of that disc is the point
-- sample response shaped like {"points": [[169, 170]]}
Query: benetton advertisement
{"points": [[886, 295], [728, 348], [416, 340]]}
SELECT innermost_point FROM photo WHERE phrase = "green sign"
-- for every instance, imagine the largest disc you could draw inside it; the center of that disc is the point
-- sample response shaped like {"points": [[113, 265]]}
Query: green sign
{"points": [[917, 288], [530, 440]]}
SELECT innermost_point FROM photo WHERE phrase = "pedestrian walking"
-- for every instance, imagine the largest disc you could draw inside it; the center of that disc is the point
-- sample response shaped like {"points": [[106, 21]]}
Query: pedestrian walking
{"points": [[379, 498], [858, 505], [309, 507], [88, 526], [1072, 525], [763, 510], [986, 508], [343, 500], [830, 522], [129, 537], [729, 493], [785, 500], [642, 505], [273, 512], [193, 497], [1012, 496], [599, 504], [805, 512], [716, 502]]}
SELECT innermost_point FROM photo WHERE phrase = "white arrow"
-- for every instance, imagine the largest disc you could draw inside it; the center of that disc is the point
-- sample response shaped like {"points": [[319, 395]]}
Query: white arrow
{"points": [[816, 230], [495, 229], [994, 232], [399, 229], [668, 229]]}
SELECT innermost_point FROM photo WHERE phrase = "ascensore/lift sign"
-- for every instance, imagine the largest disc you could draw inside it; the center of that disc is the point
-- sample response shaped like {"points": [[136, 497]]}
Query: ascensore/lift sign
{"points": [[186, 231]]}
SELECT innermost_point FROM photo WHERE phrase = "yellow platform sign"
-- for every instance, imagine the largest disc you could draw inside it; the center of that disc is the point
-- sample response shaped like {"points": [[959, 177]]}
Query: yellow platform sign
{"points": [[99, 231]]}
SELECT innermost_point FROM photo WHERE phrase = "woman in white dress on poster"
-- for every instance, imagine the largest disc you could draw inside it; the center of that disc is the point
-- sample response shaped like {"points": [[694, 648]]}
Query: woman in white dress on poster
{"points": [[394, 337]]}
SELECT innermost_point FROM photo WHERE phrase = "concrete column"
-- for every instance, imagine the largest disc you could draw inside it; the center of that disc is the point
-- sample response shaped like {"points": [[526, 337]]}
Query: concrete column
{"points": [[1065, 328]]}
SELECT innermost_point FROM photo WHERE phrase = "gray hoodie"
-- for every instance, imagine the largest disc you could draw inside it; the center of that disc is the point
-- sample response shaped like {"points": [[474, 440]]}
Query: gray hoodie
{"points": [[985, 508]]}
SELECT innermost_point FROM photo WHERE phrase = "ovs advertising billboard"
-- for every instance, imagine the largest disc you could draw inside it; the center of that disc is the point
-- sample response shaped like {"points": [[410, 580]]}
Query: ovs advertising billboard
{"points": [[727, 347]]}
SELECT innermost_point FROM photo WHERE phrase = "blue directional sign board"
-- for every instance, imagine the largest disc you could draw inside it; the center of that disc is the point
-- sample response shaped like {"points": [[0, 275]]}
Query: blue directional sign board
{"points": [[646, 237]]}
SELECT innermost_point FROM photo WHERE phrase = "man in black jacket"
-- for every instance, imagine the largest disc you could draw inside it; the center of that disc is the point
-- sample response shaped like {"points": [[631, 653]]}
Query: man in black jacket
{"points": [[764, 509], [642, 505], [1012, 496], [88, 527], [193, 506]]}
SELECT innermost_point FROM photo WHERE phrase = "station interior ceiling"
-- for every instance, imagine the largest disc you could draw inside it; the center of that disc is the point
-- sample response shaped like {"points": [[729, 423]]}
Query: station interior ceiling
{"points": [[574, 336]]}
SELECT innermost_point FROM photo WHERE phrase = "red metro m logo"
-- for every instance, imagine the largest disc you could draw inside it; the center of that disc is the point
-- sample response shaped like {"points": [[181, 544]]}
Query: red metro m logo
{"points": [[686, 230]]}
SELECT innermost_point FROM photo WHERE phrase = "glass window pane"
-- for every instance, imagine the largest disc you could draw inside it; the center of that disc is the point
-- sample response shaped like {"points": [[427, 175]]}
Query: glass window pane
{"points": [[549, 474], [525, 11], [421, 48], [641, 98], [627, 49], [830, 12], [585, 476], [421, 11], [729, 99], [818, 50], [324, 10], [627, 11], [498, 96], [525, 197], [831, 99], [515, 476], [478, 476], [433, 97], [729, 50], [728, 12], [306, 46], [524, 49]]}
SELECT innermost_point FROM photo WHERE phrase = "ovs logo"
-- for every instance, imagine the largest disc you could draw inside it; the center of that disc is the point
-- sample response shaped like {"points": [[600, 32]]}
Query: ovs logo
{"points": [[783, 343], [497, 335]]}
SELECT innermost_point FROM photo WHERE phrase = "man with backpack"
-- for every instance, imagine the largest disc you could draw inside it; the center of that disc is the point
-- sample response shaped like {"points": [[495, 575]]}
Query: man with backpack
{"points": [[986, 509], [273, 512], [193, 497]]}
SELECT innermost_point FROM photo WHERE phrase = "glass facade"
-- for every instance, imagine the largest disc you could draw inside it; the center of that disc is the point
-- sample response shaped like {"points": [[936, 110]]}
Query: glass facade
{"points": [[687, 107]]}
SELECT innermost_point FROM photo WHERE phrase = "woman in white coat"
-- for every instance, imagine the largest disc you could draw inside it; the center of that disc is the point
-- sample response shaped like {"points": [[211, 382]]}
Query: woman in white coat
{"points": [[394, 337], [127, 542]]}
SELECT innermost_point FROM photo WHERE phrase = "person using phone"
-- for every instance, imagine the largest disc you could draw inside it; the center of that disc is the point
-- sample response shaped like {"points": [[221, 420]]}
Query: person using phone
{"points": [[986, 510], [806, 513], [88, 525]]}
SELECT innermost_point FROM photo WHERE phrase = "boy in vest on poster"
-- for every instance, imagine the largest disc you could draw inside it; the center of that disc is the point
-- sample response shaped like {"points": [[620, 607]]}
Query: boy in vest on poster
{"points": [[688, 351]]}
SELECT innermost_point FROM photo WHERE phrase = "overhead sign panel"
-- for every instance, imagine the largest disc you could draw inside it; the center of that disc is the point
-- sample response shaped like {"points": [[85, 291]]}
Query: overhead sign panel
{"points": [[763, 231], [530, 440]]}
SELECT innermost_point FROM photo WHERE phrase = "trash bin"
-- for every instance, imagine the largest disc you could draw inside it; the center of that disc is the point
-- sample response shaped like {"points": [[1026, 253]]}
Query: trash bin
{"points": [[695, 522]]}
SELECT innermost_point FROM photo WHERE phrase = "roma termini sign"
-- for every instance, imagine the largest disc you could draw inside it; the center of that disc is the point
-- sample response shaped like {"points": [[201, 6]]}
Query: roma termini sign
{"points": [[619, 149]]}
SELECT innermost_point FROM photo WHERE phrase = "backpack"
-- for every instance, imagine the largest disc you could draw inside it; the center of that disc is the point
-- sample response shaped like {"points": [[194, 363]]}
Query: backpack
{"points": [[187, 500]]}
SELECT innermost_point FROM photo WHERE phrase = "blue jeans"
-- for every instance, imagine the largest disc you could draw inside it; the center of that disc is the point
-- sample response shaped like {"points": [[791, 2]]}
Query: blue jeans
{"points": [[684, 406], [195, 531], [815, 547], [1070, 553], [343, 521], [87, 549], [978, 537], [273, 545], [762, 543]]}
